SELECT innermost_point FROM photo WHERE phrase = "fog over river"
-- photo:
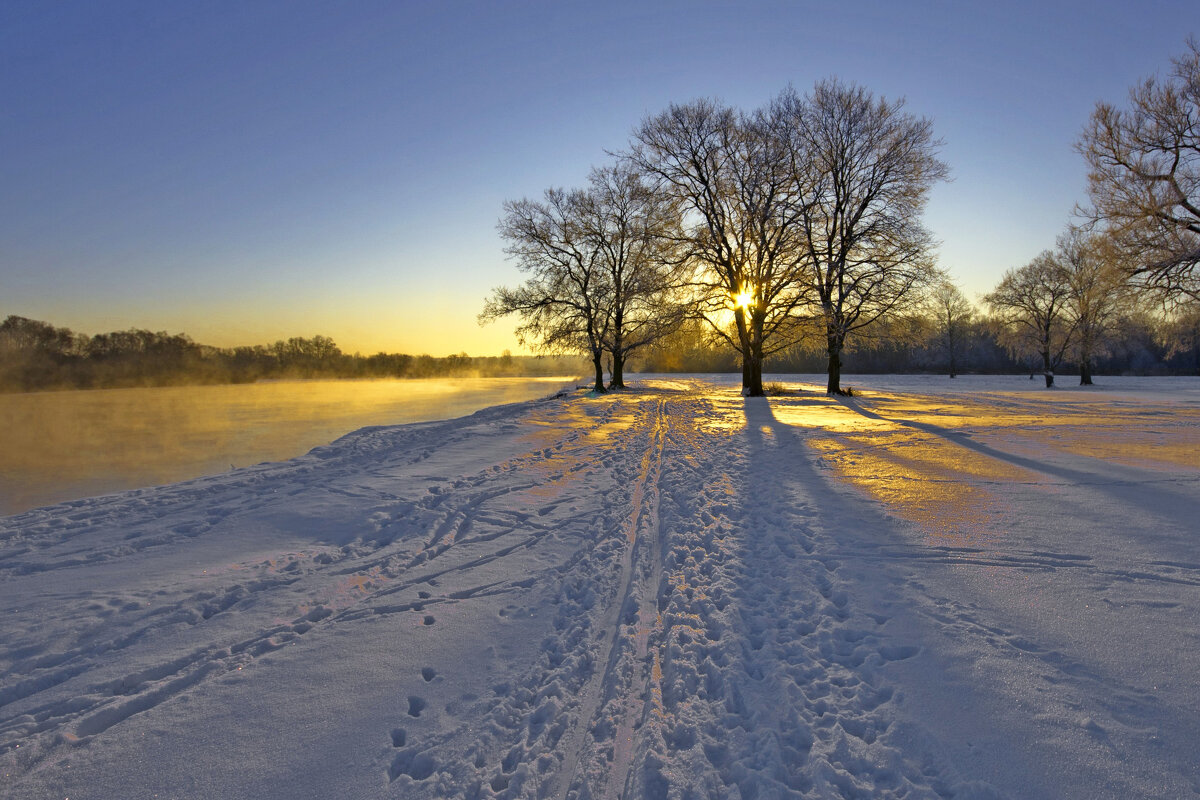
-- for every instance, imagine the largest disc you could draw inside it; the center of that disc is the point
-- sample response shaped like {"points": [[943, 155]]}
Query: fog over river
{"points": [[59, 446]]}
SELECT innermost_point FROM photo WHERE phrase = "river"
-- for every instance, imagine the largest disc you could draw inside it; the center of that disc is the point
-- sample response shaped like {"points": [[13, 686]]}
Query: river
{"points": [[59, 446]]}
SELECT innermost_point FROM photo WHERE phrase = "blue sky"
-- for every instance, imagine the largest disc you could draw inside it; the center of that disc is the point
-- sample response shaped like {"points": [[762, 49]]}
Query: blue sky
{"points": [[247, 171]]}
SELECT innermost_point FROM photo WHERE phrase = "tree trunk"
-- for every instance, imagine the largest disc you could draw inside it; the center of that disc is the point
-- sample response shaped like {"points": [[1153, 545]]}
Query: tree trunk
{"points": [[1046, 371], [834, 346], [598, 362], [1085, 360], [739, 318], [617, 381], [753, 385]]}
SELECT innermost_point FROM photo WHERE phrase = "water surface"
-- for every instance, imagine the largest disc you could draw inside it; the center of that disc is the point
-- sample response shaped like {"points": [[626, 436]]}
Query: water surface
{"points": [[57, 446]]}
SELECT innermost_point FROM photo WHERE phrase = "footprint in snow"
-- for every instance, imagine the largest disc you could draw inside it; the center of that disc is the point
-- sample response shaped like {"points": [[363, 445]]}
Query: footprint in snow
{"points": [[415, 765], [898, 652]]}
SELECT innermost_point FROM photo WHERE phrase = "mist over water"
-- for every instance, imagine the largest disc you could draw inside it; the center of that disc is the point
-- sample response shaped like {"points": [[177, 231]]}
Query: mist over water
{"points": [[58, 446]]}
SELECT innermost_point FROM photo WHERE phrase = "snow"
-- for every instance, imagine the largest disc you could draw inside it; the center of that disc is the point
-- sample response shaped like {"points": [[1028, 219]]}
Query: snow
{"points": [[968, 588]]}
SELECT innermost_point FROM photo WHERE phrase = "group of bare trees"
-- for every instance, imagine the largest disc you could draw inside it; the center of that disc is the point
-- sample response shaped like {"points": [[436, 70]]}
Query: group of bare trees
{"points": [[799, 218], [1139, 239], [602, 269], [1144, 179], [1064, 302]]}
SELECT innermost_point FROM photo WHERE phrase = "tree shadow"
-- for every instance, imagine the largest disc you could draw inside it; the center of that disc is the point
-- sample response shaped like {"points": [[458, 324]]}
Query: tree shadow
{"points": [[852, 584], [1138, 494]]}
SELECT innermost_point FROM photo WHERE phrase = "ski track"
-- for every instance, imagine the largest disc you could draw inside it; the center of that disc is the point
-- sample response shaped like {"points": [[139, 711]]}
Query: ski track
{"points": [[722, 621]]}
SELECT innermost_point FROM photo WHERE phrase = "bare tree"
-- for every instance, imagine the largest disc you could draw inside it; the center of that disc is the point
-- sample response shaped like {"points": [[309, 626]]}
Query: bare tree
{"points": [[564, 304], [1031, 302], [951, 314], [725, 171], [1144, 182], [1097, 293], [860, 170], [633, 230]]}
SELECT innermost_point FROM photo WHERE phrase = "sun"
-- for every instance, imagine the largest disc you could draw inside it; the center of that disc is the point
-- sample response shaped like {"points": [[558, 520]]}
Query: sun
{"points": [[743, 299]]}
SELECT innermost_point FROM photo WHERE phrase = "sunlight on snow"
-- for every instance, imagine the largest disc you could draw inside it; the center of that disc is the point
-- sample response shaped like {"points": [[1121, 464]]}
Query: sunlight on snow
{"points": [[919, 476], [925, 457]]}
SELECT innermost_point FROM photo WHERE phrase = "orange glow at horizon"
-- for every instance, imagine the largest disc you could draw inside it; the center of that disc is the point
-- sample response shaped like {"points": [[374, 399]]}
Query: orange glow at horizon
{"points": [[356, 324]]}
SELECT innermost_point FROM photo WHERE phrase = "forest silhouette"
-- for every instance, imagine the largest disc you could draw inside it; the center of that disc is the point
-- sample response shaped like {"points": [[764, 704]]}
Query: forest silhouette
{"points": [[38, 356]]}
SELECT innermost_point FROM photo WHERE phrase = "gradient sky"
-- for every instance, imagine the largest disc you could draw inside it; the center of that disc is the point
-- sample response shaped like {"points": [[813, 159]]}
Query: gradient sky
{"points": [[247, 171]]}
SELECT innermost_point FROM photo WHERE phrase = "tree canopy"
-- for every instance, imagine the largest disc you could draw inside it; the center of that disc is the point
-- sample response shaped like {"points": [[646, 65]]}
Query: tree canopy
{"points": [[801, 215], [1144, 179]]}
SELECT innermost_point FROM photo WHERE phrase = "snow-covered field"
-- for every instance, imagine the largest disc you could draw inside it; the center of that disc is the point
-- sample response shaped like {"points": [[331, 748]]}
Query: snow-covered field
{"points": [[972, 588]]}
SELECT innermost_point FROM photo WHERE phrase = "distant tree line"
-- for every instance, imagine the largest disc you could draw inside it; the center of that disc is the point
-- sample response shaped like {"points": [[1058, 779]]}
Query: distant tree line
{"points": [[1140, 343], [790, 235], [37, 355], [947, 334]]}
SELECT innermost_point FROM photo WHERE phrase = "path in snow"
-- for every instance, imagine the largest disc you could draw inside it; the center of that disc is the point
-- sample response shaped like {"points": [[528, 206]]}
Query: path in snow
{"points": [[673, 592]]}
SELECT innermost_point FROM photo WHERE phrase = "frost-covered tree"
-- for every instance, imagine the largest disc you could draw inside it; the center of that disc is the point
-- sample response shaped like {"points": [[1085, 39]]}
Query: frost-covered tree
{"points": [[1144, 182], [860, 171], [1031, 303]]}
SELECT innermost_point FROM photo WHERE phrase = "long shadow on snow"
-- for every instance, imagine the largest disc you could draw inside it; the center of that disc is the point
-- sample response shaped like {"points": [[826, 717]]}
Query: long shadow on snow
{"points": [[805, 688], [1126, 704], [1144, 496], [839, 691]]}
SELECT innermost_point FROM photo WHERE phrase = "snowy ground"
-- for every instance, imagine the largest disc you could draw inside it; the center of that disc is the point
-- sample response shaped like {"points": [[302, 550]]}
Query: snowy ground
{"points": [[971, 589]]}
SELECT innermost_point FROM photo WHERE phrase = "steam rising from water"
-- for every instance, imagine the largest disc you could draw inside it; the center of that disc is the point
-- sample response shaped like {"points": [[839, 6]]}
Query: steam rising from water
{"points": [[66, 445]]}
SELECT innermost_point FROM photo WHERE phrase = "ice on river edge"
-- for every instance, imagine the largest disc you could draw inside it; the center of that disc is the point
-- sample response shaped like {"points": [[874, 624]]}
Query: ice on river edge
{"points": [[967, 589]]}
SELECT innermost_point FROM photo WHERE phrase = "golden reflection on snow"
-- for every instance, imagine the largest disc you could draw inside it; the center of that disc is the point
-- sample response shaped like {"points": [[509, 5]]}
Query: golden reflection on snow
{"points": [[728, 414], [928, 460], [918, 485], [918, 475], [1144, 437], [1154, 452], [561, 439]]}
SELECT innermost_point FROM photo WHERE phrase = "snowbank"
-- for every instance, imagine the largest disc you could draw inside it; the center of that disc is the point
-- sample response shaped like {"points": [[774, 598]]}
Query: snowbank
{"points": [[936, 589]]}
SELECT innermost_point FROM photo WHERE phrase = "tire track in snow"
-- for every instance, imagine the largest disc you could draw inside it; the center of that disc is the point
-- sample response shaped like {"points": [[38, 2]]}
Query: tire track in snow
{"points": [[517, 745], [632, 599], [644, 691]]}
